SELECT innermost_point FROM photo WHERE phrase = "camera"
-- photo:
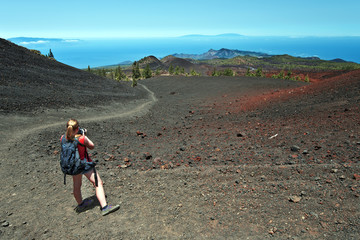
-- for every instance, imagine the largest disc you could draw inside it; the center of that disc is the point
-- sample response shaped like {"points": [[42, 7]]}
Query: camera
{"points": [[82, 131]]}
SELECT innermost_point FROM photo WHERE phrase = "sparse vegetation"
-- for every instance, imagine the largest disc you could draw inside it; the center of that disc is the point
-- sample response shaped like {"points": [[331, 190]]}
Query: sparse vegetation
{"points": [[50, 55], [36, 51], [284, 67], [257, 73], [119, 74], [307, 78], [279, 62], [289, 76], [136, 71], [171, 69], [226, 72], [147, 73], [194, 73]]}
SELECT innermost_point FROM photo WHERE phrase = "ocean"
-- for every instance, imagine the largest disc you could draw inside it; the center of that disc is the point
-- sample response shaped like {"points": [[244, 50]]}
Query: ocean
{"points": [[81, 53]]}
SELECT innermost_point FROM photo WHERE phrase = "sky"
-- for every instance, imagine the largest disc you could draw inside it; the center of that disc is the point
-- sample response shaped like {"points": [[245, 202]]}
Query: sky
{"points": [[172, 18]]}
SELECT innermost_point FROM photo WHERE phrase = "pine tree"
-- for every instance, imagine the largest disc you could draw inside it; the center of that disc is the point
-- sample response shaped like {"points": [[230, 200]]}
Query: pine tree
{"points": [[50, 55], [119, 74], [177, 70], [147, 72], [136, 71], [171, 69]]}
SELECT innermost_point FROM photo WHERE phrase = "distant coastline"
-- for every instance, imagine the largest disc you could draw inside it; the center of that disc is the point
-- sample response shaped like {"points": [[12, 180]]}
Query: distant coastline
{"points": [[81, 53]]}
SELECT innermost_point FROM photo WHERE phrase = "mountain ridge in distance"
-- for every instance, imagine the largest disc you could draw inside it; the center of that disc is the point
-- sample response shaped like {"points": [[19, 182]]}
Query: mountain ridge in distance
{"points": [[222, 53]]}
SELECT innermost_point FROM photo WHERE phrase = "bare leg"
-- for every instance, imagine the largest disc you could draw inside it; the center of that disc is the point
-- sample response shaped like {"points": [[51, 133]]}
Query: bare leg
{"points": [[77, 181], [99, 190]]}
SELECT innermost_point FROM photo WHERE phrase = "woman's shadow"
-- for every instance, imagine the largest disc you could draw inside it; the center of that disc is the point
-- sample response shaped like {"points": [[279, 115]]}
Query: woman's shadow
{"points": [[94, 202]]}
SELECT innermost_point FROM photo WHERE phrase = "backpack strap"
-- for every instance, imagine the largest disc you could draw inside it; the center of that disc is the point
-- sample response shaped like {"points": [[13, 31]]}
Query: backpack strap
{"points": [[96, 179], [78, 142], [87, 157]]}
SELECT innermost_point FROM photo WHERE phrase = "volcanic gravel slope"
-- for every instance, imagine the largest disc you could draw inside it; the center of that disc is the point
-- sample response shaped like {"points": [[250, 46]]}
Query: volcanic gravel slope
{"points": [[186, 157], [30, 81]]}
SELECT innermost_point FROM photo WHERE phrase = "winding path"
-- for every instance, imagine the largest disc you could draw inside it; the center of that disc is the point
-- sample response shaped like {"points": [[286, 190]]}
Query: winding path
{"points": [[17, 128]]}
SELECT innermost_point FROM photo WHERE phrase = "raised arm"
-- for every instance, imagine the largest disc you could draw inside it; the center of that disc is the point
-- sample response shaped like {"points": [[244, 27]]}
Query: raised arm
{"points": [[88, 143]]}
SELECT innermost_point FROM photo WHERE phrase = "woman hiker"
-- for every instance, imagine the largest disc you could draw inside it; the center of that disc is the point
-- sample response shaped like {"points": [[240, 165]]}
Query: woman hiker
{"points": [[72, 133]]}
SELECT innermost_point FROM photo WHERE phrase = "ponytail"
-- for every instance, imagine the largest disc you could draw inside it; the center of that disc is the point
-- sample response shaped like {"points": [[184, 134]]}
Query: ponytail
{"points": [[71, 126]]}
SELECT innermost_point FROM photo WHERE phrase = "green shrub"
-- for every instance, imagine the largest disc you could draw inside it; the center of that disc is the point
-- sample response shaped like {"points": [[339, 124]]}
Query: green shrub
{"points": [[228, 72], [307, 78], [35, 51], [259, 72], [194, 73]]}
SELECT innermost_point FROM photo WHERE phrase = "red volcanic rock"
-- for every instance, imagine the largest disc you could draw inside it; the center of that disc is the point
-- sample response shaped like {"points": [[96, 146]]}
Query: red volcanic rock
{"points": [[356, 177]]}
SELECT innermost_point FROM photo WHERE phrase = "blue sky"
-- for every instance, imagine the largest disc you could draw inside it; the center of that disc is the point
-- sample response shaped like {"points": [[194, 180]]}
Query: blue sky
{"points": [[163, 18]]}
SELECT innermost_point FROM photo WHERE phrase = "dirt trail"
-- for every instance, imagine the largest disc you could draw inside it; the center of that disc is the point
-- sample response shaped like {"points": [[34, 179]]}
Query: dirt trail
{"points": [[19, 127]]}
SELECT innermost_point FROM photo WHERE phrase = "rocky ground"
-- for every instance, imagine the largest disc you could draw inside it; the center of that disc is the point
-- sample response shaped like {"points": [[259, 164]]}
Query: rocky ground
{"points": [[191, 158]]}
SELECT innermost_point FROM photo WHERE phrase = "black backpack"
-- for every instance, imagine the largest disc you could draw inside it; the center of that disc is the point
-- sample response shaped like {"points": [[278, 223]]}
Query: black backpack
{"points": [[70, 161]]}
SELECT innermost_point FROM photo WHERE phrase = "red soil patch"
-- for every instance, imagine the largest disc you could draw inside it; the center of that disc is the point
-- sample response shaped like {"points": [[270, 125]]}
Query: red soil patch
{"points": [[320, 82]]}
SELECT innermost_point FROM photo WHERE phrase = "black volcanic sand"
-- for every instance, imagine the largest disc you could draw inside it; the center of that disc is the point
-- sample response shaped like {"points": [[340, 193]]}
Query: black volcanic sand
{"points": [[193, 158]]}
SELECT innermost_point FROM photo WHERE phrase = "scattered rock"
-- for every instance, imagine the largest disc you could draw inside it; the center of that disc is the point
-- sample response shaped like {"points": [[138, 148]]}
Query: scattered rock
{"points": [[295, 148], [157, 160], [147, 156], [240, 134], [305, 152], [294, 199], [109, 157], [302, 193], [124, 165], [317, 147], [5, 224], [273, 230], [356, 177]]}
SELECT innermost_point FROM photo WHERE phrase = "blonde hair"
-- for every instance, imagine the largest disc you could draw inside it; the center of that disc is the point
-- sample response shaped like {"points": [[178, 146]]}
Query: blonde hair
{"points": [[71, 126]]}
